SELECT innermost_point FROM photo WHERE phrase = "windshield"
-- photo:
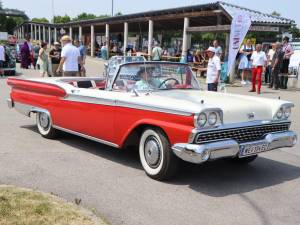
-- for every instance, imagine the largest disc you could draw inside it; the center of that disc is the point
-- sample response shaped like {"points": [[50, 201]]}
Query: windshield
{"points": [[154, 77]]}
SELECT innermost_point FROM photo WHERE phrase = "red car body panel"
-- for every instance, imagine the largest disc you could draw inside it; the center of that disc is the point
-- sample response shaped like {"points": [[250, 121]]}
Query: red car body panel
{"points": [[105, 122]]}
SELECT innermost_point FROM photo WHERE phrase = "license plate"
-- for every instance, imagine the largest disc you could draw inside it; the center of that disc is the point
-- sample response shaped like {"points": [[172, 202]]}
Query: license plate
{"points": [[253, 149]]}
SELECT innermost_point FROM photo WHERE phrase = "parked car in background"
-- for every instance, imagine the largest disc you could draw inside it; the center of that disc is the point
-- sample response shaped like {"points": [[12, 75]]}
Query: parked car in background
{"points": [[159, 108]]}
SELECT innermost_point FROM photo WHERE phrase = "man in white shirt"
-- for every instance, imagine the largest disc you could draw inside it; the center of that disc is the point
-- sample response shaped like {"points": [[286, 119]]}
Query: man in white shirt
{"points": [[259, 60], [2, 60], [70, 58], [213, 70]]}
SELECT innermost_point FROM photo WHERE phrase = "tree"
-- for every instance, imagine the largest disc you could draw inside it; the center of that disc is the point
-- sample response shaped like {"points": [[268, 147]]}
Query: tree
{"points": [[274, 13], [84, 16], [119, 14], [40, 20], [61, 19], [295, 31]]}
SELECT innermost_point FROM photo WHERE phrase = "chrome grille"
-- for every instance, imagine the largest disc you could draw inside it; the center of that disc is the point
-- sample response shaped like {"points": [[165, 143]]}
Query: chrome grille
{"points": [[242, 134]]}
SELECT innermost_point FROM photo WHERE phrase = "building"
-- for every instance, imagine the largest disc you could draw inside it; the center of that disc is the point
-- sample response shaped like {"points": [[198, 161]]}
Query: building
{"points": [[213, 17]]}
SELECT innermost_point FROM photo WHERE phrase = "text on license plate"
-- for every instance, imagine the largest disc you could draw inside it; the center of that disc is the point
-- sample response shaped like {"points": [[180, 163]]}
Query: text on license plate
{"points": [[253, 149]]}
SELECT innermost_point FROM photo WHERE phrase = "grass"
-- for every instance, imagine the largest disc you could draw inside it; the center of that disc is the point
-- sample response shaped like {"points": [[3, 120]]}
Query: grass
{"points": [[20, 206]]}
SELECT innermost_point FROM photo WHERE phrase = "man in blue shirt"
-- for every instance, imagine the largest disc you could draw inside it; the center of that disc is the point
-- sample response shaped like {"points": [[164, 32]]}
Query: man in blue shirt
{"points": [[82, 50]]}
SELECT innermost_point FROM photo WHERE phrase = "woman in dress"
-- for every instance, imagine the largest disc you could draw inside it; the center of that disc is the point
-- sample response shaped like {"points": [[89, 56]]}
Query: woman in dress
{"points": [[43, 60], [245, 63], [25, 55]]}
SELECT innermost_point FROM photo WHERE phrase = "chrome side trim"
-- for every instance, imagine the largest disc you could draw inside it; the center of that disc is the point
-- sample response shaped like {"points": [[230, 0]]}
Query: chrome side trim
{"points": [[110, 102], [26, 109], [86, 136], [235, 125], [10, 103], [229, 148], [88, 99], [152, 108]]}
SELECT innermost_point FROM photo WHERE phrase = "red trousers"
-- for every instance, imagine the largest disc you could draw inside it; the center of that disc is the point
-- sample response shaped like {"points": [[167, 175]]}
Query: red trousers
{"points": [[256, 75]]}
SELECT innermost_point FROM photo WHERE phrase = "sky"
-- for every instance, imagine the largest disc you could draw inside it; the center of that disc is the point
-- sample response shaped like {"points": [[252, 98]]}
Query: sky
{"points": [[43, 8]]}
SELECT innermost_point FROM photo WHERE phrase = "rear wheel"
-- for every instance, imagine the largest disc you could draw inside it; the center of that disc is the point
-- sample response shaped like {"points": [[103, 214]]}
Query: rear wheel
{"points": [[245, 160], [157, 158], [44, 125]]}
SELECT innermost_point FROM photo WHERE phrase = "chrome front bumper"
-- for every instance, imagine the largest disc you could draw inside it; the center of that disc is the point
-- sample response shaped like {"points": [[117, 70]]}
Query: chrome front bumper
{"points": [[199, 153]]}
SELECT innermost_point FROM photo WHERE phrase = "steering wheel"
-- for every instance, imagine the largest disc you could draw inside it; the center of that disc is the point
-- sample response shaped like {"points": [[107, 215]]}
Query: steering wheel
{"points": [[168, 79]]}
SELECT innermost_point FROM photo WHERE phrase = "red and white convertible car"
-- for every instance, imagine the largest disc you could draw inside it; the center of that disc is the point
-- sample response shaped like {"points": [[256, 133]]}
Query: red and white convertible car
{"points": [[159, 107]]}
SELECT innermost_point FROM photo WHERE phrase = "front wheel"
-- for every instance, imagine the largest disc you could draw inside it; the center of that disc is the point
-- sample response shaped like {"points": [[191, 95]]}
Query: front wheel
{"points": [[157, 158], [44, 125]]}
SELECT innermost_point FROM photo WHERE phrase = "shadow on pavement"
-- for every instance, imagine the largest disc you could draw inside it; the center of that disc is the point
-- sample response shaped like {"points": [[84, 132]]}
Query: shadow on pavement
{"points": [[217, 179]]}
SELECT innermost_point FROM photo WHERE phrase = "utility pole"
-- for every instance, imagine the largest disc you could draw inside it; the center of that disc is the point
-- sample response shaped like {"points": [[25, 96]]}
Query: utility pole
{"points": [[53, 13], [112, 7]]}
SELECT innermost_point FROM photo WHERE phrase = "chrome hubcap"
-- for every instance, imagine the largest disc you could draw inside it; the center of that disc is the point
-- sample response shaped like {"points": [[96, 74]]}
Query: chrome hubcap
{"points": [[44, 120], [152, 152]]}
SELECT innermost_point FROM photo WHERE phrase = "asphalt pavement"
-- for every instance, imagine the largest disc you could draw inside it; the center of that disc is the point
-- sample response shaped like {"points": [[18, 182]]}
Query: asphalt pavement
{"points": [[113, 183]]}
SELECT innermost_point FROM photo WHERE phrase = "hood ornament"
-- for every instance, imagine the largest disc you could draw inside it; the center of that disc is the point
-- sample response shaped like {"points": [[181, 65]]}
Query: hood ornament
{"points": [[251, 115]]}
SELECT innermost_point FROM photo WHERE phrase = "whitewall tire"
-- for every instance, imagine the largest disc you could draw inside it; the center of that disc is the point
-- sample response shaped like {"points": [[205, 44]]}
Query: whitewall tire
{"points": [[157, 158], [44, 125]]}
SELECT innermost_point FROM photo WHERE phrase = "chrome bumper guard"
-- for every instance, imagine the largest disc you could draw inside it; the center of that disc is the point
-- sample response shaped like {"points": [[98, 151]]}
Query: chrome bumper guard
{"points": [[10, 103], [199, 153]]}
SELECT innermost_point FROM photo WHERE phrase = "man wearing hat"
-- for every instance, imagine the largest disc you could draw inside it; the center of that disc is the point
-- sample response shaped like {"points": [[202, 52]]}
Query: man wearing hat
{"points": [[55, 56], [213, 70], [70, 58]]}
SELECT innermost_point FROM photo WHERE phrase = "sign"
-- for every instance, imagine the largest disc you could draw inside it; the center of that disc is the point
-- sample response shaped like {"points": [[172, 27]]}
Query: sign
{"points": [[240, 25], [62, 31], [3, 36]]}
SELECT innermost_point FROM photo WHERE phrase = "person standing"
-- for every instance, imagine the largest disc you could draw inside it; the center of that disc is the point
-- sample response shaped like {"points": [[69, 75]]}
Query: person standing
{"points": [[36, 50], [268, 73], [70, 58], [25, 54], [276, 65], [245, 59], [2, 60], [213, 70], [259, 60], [218, 48], [157, 52], [288, 52], [55, 56], [43, 60], [82, 50]]}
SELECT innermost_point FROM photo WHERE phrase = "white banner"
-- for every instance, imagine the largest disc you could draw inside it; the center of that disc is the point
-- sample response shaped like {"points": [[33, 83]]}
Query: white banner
{"points": [[240, 25]]}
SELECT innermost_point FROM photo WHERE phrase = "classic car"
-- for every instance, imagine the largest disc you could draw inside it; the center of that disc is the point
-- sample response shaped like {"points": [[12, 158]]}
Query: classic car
{"points": [[115, 61], [159, 108]]}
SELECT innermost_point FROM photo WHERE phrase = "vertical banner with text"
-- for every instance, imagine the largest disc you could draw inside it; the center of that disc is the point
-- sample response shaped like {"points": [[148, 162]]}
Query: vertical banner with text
{"points": [[240, 25]]}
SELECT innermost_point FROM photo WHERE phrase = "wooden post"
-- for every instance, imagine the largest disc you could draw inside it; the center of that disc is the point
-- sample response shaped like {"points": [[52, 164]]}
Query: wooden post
{"points": [[185, 39], [150, 39], [125, 38], [92, 41]]}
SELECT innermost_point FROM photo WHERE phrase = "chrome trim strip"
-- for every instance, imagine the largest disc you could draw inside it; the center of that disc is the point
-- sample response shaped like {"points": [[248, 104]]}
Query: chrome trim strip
{"points": [[86, 136], [110, 102], [152, 108], [199, 153], [88, 99], [235, 125], [10, 103], [26, 109]]}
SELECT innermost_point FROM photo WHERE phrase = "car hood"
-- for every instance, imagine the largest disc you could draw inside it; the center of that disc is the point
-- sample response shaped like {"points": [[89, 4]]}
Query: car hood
{"points": [[236, 108]]}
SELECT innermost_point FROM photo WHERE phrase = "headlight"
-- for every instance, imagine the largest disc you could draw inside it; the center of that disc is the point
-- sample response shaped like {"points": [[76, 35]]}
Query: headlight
{"points": [[212, 118], [287, 112], [279, 114], [202, 119]]}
